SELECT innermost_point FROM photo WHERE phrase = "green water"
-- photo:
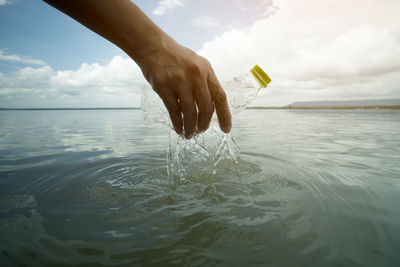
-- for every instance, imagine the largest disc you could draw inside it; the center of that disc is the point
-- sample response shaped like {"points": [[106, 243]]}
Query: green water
{"points": [[90, 188]]}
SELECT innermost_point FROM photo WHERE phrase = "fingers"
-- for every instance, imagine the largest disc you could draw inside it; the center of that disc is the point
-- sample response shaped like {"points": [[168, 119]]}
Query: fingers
{"points": [[204, 103], [220, 101], [190, 96], [172, 105], [181, 105], [189, 111]]}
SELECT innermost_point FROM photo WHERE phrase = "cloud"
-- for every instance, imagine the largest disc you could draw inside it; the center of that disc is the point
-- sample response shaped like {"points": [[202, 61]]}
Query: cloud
{"points": [[20, 59], [206, 21], [26, 78], [115, 84], [252, 4], [3, 2], [165, 5], [316, 49]]}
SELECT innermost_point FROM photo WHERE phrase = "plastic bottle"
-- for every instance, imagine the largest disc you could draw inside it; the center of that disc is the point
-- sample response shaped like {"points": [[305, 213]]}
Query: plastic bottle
{"points": [[212, 154], [241, 91]]}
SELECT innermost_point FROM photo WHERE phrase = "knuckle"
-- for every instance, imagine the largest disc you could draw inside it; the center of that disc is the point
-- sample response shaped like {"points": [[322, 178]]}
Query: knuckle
{"points": [[178, 78], [194, 68], [211, 110], [220, 97], [185, 95], [213, 83], [208, 110], [207, 62]]}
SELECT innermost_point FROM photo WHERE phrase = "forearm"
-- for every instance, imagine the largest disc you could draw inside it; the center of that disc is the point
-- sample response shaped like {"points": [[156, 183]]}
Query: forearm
{"points": [[119, 21]]}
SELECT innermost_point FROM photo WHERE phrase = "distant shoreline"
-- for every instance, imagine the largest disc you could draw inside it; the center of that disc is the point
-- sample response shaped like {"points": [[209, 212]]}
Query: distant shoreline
{"points": [[70, 109], [265, 108], [330, 107]]}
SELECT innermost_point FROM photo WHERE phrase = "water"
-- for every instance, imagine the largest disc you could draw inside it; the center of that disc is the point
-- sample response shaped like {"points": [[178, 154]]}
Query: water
{"points": [[315, 188]]}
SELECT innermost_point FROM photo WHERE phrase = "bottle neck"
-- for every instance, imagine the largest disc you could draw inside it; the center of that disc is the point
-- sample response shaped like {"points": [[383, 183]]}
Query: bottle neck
{"points": [[255, 82]]}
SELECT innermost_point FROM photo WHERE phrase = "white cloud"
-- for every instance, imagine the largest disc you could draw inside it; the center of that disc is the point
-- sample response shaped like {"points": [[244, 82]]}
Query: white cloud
{"points": [[115, 84], [252, 4], [206, 21], [3, 2], [20, 59], [27, 78], [316, 49], [167, 5]]}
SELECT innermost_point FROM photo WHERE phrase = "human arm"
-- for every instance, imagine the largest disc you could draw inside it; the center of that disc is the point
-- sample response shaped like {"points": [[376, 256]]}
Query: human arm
{"points": [[184, 80]]}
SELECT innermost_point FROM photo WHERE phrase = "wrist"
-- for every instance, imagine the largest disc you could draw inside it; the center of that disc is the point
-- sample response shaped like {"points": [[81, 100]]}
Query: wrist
{"points": [[141, 44], [148, 49], [159, 51]]}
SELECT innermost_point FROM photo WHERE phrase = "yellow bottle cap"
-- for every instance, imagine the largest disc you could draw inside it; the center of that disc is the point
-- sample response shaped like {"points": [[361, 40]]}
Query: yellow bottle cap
{"points": [[261, 76]]}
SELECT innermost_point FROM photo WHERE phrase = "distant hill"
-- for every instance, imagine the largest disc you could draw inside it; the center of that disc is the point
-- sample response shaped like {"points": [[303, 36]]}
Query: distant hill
{"points": [[346, 103]]}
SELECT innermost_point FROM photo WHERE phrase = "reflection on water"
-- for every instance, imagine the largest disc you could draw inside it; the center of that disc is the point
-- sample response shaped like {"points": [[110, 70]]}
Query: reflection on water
{"points": [[314, 188]]}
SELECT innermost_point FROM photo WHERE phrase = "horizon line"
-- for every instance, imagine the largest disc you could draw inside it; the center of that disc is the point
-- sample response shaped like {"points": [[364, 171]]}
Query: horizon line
{"points": [[64, 108], [255, 107]]}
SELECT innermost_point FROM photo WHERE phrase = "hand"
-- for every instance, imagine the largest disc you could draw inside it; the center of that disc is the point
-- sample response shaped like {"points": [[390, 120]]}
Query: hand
{"points": [[188, 87]]}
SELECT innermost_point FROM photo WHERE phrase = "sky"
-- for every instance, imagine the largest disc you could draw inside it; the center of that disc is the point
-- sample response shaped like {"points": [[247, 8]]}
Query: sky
{"points": [[312, 50]]}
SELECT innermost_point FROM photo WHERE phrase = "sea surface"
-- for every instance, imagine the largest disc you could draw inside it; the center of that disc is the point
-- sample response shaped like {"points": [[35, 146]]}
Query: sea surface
{"points": [[90, 188]]}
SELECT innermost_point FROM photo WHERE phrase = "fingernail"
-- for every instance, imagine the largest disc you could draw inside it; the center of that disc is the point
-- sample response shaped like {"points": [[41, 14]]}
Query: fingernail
{"points": [[227, 129], [189, 135]]}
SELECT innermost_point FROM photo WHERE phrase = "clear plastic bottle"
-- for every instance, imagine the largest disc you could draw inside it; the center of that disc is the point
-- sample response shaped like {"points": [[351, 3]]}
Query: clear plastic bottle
{"points": [[210, 154], [242, 90]]}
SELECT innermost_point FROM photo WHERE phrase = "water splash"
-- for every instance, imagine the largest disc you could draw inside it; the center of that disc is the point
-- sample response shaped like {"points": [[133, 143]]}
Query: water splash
{"points": [[205, 156]]}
